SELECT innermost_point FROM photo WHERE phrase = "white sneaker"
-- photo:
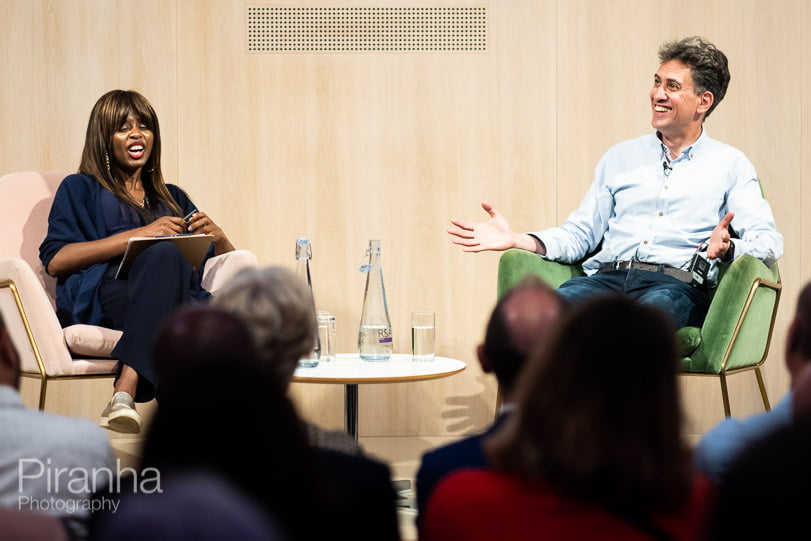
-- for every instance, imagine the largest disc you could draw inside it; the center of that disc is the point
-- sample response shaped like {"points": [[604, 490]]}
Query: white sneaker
{"points": [[120, 414]]}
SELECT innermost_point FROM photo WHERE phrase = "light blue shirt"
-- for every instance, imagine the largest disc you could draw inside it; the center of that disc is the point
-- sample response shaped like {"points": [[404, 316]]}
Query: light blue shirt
{"points": [[645, 208], [722, 444]]}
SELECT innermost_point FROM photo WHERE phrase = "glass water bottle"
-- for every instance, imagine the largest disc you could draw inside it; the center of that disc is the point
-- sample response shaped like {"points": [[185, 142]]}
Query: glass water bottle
{"points": [[374, 336], [304, 253]]}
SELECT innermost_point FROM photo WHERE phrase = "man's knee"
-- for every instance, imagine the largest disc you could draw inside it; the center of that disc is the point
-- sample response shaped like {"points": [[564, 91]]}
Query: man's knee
{"points": [[685, 308]]}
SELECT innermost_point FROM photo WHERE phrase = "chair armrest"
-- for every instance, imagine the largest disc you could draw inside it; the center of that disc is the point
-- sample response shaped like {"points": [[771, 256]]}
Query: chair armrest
{"points": [[737, 330], [219, 270], [91, 340], [514, 264], [31, 320]]}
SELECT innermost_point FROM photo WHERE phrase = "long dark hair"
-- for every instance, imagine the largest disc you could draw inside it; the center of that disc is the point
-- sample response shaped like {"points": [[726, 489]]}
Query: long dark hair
{"points": [[108, 115], [599, 413]]}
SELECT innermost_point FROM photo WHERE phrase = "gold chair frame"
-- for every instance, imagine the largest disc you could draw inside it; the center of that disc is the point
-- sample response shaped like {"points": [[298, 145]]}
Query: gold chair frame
{"points": [[42, 375], [777, 287]]}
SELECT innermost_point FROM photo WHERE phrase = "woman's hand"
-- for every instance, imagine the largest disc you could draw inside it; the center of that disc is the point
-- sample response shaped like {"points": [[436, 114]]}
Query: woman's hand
{"points": [[201, 223], [165, 225], [80, 255], [76, 256]]}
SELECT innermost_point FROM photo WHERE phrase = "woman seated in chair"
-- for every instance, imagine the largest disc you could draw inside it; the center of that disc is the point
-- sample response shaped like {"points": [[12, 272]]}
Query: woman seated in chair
{"points": [[593, 450], [119, 193]]}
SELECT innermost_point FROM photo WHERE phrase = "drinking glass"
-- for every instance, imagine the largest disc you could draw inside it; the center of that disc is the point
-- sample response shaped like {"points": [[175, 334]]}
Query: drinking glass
{"points": [[327, 335], [422, 336]]}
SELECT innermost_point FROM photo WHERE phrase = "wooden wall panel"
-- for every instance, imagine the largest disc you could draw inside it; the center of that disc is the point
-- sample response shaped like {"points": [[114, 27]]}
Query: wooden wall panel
{"points": [[59, 57], [345, 147], [603, 79], [801, 195]]}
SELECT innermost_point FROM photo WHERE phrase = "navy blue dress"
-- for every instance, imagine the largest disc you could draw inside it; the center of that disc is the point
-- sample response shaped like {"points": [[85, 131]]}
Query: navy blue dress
{"points": [[158, 282]]}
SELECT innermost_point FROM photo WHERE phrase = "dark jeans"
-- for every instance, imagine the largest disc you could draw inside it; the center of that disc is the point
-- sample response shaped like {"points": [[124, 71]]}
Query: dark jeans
{"points": [[159, 281], [684, 304]]}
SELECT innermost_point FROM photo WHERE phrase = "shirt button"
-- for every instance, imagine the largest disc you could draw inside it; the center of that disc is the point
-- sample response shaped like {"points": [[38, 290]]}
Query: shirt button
{"points": [[667, 187], [644, 242], [661, 214]]}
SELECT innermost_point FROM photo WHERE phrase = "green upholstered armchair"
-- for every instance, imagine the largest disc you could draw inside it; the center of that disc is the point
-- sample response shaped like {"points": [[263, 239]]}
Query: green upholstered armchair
{"points": [[736, 333]]}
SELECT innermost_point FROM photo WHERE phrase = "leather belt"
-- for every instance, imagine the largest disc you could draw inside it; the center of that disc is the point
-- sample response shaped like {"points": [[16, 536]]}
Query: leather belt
{"points": [[678, 274]]}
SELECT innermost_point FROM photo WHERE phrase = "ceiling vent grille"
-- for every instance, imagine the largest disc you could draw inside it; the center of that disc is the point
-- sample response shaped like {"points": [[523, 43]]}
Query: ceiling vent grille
{"points": [[366, 29]]}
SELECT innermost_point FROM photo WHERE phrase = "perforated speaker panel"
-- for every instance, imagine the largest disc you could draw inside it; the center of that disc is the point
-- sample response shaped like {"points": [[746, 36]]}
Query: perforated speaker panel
{"points": [[273, 29]]}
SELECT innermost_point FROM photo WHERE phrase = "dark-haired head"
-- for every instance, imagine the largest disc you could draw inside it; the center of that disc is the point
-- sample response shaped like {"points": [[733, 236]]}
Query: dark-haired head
{"points": [[220, 411], [599, 410], [708, 66], [107, 116], [521, 319]]}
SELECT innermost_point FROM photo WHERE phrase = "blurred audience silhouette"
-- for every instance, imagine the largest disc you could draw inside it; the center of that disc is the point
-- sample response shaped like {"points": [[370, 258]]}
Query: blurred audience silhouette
{"points": [[593, 449], [521, 319], [39, 449], [192, 506], [218, 415], [763, 482], [224, 412], [269, 300], [721, 445]]}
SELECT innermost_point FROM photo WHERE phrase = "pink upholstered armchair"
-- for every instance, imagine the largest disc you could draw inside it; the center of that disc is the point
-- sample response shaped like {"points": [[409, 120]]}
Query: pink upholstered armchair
{"points": [[27, 292]]}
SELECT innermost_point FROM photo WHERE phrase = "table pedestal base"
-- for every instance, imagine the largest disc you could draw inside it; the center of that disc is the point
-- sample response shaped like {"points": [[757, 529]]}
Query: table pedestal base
{"points": [[351, 409]]}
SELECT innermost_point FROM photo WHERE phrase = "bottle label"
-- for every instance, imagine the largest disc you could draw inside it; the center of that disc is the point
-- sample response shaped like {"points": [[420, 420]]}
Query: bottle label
{"points": [[384, 335]]}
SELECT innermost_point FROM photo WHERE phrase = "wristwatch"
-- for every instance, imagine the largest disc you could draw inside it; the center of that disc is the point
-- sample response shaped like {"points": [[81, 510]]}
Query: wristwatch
{"points": [[730, 252]]}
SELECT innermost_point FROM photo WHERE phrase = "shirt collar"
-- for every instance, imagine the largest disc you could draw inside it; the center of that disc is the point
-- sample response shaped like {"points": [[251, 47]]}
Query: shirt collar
{"points": [[687, 153]]}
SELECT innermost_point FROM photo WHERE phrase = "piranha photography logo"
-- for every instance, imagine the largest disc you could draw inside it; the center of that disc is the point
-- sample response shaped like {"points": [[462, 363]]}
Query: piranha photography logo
{"points": [[44, 487]]}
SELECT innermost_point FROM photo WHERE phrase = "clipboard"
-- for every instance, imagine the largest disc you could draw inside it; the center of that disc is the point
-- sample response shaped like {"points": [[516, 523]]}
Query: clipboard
{"points": [[193, 247]]}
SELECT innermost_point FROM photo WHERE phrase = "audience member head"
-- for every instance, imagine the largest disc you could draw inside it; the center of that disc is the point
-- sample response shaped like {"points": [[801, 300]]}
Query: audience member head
{"points": [[107, 117], [520, 320], [598, 411], [798, 340], [277, 306], [9, 360], [709, 67], [219, 411]]}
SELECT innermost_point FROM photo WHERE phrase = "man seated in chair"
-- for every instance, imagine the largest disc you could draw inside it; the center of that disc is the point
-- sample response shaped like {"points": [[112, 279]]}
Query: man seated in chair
{"points": [[657, 201]]}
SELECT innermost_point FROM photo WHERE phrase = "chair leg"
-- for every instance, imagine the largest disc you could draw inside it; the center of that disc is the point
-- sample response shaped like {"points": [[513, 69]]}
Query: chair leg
{"points": [[725, 394], [43, 389], [762, 388]]}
